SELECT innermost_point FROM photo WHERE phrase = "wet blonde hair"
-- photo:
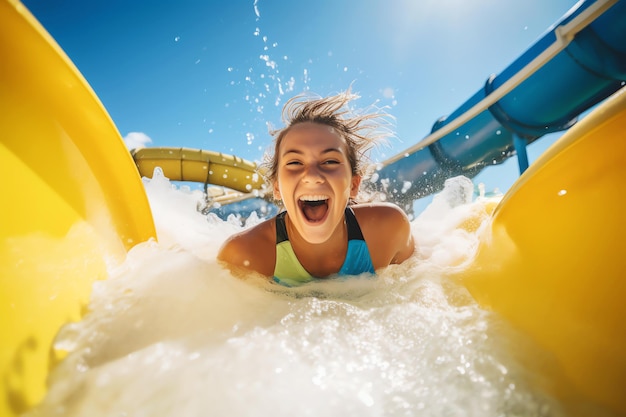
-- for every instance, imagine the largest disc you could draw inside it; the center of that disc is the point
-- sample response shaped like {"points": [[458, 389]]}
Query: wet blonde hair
{"points": [[360, 130]]}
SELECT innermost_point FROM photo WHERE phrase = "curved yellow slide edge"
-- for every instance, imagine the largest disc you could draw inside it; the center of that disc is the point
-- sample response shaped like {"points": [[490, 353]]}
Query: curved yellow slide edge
{"points": [[554, 262], [73, 201], [197, 165]]}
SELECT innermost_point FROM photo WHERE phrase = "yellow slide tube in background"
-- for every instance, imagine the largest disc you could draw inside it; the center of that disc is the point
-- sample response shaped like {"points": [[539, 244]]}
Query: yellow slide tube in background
{"points": [[554, 261], [197, 165], [73, 202]]}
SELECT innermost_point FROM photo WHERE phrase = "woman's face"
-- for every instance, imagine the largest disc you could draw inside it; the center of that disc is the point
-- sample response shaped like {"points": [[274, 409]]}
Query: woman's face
{"points": [[314, 180]]}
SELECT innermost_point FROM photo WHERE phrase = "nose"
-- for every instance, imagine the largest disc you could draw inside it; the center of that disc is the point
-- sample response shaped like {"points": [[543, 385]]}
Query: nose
{"points": [[312, 175]]}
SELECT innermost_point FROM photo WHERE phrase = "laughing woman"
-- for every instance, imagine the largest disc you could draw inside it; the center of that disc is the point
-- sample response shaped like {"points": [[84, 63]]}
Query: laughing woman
{"points": [[316, 171]]}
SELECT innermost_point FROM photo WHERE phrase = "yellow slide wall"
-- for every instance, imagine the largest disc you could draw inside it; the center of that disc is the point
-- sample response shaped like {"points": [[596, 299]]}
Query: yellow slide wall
{"points": [[72, 203], [554, 262]]}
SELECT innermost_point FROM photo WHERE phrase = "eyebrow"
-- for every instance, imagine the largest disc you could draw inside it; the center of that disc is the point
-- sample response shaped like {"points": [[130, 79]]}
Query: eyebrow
{"points": [[299, 152]]}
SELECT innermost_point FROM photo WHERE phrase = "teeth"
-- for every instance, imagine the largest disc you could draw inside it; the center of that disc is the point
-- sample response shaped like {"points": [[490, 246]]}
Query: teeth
{"points": [[313, 198]]}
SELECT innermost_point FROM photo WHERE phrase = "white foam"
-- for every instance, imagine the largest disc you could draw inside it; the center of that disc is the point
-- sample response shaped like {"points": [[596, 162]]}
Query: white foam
{"points": [[171, 333]]}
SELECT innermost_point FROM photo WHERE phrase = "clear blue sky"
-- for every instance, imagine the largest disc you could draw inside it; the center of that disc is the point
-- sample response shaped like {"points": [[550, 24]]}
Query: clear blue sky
{"points": [[211, 74]]}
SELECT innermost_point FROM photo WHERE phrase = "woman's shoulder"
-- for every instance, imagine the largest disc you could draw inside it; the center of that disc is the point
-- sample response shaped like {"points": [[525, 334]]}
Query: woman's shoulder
{"points": [[260, 232], [379, 212], [251, 249], [387, 231]]}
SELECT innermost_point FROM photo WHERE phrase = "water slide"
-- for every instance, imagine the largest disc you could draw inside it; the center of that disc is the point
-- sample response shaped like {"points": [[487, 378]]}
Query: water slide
{"points": [[578, 62], [77, 202]]}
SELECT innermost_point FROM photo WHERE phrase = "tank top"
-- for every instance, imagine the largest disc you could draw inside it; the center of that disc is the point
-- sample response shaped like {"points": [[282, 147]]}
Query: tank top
{"points": [[288, 270]]}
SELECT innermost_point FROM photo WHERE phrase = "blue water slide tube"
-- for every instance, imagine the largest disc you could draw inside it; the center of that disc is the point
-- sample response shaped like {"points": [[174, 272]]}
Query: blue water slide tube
{"points": [[577, 63]]}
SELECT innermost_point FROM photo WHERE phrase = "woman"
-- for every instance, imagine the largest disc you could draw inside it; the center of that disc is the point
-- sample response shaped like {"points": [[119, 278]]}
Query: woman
{"points": [[315, 171]]}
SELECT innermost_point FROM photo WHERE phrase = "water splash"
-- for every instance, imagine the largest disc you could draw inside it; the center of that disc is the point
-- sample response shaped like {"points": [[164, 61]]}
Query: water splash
{"points": [[171, 333]]}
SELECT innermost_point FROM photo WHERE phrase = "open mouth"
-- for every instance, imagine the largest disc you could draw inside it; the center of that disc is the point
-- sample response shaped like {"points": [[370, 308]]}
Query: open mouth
{"points": [[314, 207]]}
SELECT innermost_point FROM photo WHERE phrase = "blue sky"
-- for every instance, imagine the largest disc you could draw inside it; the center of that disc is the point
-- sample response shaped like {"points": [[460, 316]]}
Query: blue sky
{"points": [[212, 74]]}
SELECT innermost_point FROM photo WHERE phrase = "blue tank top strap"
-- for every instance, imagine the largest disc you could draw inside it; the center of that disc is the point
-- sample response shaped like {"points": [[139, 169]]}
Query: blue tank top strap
{"points": [[358, 259]]}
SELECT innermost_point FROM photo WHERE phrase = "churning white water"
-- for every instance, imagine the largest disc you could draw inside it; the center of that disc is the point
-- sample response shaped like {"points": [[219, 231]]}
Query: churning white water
{"points": [[172, 333]]}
